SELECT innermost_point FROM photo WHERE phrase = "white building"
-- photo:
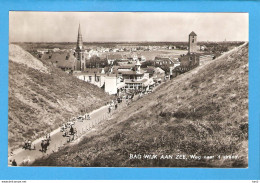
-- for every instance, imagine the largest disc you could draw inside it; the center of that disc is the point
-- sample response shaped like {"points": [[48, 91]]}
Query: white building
{"points": [[97, 79], [113, 84]]}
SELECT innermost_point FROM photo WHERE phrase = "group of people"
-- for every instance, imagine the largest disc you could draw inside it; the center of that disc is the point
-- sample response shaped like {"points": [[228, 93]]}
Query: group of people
{"points": [[27, 142], [28, 145], [69, 131], [65, 130], [48, 136], [130, 97], [112, 105]]}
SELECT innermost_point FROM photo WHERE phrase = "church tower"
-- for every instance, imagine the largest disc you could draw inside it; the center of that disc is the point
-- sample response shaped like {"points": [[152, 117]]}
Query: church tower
{"points": [[192, 42], [79, 53]]}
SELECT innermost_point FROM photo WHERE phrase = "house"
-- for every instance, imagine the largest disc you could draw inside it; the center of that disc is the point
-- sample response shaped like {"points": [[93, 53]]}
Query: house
{"points": [[176, 62], [113, 57], [134, 57], [203, 47], [114, 84], [135, 78], [158, 74], [149, 70], [55, 49], [141, 58], [94, 76], [42, 51], [63, 60], [163, 61]]}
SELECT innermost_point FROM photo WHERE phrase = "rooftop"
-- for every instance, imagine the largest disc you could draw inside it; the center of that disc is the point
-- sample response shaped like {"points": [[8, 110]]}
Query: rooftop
{"points": [[162, 59], [131, 72], [130, 81], [61, 59], [192, 34]]}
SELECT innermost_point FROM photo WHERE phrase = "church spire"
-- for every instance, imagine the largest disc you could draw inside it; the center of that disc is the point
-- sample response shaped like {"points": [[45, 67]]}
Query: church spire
{"points": [[79, 53], [79, 40]]}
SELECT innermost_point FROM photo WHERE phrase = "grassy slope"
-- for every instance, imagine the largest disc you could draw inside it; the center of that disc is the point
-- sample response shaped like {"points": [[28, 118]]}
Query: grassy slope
{"points": [[203, 112], [40, 102]]}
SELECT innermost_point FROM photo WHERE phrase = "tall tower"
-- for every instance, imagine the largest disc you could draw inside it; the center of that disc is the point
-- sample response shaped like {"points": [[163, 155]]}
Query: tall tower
{"points": [[79, 52], [192, 42]]}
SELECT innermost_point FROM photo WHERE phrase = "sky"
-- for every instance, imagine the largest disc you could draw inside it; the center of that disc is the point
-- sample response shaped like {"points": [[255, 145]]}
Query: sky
{"points": [[26, 26]]}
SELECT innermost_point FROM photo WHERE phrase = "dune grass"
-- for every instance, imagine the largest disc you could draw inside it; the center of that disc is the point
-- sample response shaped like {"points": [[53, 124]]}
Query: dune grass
{"points": [[41, 101]]}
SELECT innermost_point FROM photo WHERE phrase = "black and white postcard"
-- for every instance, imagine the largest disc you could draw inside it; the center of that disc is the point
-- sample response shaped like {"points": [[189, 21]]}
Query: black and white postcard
{"points": [[128, 89]]}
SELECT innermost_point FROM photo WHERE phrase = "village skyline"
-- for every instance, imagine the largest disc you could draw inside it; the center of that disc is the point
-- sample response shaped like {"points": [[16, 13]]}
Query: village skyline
{"points": [[126, 26]]}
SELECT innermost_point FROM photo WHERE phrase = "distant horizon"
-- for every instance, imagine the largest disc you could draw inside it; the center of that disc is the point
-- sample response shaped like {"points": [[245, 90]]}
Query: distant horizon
{"points": [[122, 41], [29, 26]]}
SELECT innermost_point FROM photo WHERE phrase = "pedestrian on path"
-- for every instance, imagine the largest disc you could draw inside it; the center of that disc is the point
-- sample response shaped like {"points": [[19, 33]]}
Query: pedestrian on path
{"points": [[87, 117]]}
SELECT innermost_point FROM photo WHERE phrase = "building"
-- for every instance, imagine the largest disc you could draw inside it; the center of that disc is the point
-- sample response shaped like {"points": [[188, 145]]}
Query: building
{"points": [[125, 67], [190, 60], [63, 60], [135, 78], [42, 51], [203, 47], [94, 76], [113, 57], [141, 58], [117, 79], [135, 56], [163, 61], [156, 73], [192, 42], [176, 62], [114, 84], [55, 49], [79, 53]]}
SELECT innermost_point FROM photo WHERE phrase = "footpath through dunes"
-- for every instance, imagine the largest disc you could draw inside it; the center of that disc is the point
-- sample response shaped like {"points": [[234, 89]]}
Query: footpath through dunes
{"points": [[42, 97], [203, 112]]}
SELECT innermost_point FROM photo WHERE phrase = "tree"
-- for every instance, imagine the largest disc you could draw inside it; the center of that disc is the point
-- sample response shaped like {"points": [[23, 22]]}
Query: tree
{"points": [[95, 62]]}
